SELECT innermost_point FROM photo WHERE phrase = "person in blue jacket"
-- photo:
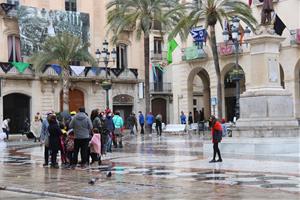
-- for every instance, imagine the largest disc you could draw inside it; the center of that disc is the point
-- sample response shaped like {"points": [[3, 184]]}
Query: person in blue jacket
{"points": [[141, 121], [182, 118], [150, 121]]}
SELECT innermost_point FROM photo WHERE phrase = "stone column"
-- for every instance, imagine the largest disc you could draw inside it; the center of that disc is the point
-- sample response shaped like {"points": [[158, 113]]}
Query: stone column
{"points": [[266, 108]]}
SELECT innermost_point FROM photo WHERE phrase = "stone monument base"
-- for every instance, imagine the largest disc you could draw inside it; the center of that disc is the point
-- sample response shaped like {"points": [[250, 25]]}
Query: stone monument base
{"points": [[267, 113]]}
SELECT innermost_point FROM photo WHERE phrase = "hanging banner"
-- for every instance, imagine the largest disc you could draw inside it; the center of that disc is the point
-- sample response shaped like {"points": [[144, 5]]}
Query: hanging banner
{"points": [[56, 68], [20, 66], [77, 69], [199, 34], [6, 67]]}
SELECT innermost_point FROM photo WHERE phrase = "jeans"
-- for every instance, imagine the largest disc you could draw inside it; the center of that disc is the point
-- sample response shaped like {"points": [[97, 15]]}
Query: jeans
{"points": [[109, 143], [216, 151], [150, 128], [81, 144], [131, 127], [6, 132], [54, 157], [158, 128], [46, 155], [142, 128]]}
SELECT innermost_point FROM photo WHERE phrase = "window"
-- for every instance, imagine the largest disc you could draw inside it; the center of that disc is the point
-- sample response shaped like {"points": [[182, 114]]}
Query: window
{"points": [[70, 5], [14, 49], [122, 56], [158, 45], [14, 2]]}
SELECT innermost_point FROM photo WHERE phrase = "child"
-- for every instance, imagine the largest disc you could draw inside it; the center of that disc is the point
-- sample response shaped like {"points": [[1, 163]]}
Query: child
{"points": [[95, 146], [70, 146]]}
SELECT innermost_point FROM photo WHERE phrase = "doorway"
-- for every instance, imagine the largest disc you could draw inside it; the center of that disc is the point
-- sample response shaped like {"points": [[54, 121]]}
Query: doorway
{"points": [[16, 106], [76, 100], [159, 106]]}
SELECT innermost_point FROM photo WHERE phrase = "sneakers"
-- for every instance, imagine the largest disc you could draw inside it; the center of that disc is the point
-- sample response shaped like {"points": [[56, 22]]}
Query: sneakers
{"points": [[212, 161], [45, 164], [220, 160]]}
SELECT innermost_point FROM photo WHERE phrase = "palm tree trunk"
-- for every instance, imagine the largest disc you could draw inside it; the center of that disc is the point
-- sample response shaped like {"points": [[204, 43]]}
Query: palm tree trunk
{"points": [[213, 44], [66, 84], [146, 62]]}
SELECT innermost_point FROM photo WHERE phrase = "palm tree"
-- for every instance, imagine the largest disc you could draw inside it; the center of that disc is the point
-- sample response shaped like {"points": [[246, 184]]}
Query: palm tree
{"points": [[139, 16], [62, 49], [211, 12]]}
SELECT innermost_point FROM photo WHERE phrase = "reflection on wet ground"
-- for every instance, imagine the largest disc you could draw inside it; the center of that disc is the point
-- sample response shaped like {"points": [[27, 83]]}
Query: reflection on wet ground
{"points": [[143, 169]]}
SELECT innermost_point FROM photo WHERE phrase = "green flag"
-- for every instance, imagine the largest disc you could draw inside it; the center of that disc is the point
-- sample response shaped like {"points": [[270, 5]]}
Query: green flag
{"points": [[20, 66], [172, 44]]}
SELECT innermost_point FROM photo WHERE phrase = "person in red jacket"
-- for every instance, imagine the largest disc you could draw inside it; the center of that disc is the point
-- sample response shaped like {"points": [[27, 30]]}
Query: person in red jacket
{"points": [[216, 133]]}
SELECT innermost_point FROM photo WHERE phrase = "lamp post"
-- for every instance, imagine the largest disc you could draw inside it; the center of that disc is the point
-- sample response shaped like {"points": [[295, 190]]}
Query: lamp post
{"points": [[105, 55], [236, 38]]}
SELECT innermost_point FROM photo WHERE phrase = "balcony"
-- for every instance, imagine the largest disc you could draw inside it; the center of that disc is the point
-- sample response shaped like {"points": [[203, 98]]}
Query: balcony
{"points": [[160, 88], [156, 56], [8, 70], [193, 53], [227, 49], [295, 37]]}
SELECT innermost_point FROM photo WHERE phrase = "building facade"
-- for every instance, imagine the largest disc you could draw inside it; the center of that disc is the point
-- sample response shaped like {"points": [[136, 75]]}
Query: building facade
{"points": [[193, 75], [26, 92]]}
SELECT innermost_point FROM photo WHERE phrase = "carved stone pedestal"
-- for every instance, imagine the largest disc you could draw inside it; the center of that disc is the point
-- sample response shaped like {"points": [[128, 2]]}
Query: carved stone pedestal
{"points": [[266, 108]]}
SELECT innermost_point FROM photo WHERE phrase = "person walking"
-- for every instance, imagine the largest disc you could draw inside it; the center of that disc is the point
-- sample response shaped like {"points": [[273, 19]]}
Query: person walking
{"points": [[190, 119], [82, 127], [158, 124], [141, 121], [132, 122], [216, 132], [182, 118], [5, 127], [44, 139], [54, 140], [118, 124], [150, 121], [110, 127]]}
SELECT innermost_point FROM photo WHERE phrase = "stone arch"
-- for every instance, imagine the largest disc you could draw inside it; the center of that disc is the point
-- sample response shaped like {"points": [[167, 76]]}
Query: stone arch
{"points": [[17, 107], [124, 104], [229, 90], [297, 90], [203, 74]]}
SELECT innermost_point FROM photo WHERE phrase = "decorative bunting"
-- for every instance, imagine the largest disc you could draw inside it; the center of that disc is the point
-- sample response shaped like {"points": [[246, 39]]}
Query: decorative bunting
{"points": [[20, 66], [117, 71], [96, 70], [6, 67], [77, 69], [56, 68]]}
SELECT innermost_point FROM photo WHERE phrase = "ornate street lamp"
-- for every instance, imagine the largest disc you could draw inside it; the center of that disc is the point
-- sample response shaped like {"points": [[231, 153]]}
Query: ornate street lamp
{"points": [[237, 74], [105, 55]]}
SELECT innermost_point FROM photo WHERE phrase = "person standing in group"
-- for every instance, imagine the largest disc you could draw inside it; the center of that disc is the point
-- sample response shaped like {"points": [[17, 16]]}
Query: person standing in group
{"points": [[36, 127], [70, 147], [216, 132], [44, 139], [118, 123], [182, 118], [132, 122], [158, 124], [95, 147], [110, 127], [141, 121], [82, 127], [150, 121], [190, 119], [5, 127], [54, 139]]}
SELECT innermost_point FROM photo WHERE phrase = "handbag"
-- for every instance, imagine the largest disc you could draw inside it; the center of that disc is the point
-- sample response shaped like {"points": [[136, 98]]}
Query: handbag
{"points": [[217, 135]]}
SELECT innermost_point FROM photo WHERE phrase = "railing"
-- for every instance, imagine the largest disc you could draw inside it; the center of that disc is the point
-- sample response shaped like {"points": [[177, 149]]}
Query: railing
{"points": [[228, 48], [160, 87], [295, 37], [155, 56], [193, 53], [8, 69]]}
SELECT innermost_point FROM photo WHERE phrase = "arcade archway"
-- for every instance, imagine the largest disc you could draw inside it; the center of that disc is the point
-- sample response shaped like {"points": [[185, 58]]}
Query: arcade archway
{"points": [[16, 106]]}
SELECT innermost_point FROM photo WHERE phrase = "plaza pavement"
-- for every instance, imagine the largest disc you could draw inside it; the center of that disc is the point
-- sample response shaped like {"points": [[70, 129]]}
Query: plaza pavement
{"points": [[151, 167]]}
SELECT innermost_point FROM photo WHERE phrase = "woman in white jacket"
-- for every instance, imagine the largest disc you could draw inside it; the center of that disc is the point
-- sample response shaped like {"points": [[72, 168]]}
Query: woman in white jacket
{"points": [[36, 127]]}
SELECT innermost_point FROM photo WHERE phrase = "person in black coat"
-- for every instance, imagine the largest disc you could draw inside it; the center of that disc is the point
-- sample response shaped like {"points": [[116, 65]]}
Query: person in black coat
{"points": [[54, 139]]}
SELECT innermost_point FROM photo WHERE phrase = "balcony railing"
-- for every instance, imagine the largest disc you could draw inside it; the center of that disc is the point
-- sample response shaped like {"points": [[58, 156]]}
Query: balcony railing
{"points": [[228, 48], [160, 87], [295, 37], [155, 56], [53, 71], [193, 53]]}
